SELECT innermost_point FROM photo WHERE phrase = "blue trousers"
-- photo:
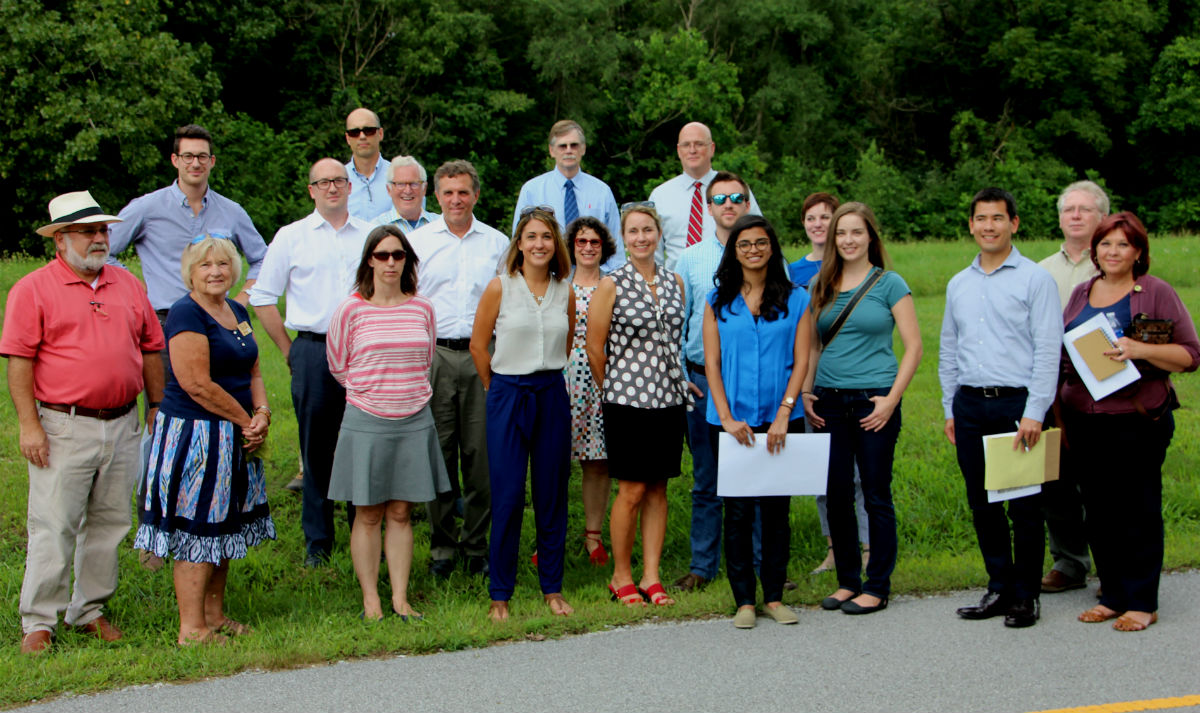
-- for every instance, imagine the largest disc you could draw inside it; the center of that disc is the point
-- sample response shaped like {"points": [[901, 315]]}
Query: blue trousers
{"points": [[319, 401], [1013, 559], [873, 452], [706, 506], [528, 427]]}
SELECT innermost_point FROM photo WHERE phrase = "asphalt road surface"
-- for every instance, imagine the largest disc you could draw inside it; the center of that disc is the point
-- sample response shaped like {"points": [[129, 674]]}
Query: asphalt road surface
{"points": [[915, 656]]}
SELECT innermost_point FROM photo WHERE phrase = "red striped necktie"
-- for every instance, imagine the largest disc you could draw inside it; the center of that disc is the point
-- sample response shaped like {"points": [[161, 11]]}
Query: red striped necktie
{"points": [[696, 219]]}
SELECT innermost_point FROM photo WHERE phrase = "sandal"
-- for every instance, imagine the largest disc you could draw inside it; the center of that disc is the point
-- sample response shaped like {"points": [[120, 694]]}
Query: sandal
{"points": [[827, 563], [655, 594], [597, 555], [498, 611], [1097, 614], [558, 605], [1128, 623], [627, 595], [211, 637], [229, 627]]}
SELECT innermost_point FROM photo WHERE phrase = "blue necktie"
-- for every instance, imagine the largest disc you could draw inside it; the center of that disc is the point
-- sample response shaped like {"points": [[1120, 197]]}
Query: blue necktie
{"points": [[570, 205]]}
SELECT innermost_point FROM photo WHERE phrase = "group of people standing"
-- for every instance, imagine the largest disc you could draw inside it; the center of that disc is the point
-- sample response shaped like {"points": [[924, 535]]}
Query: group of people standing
{"points": [[428, 346]]}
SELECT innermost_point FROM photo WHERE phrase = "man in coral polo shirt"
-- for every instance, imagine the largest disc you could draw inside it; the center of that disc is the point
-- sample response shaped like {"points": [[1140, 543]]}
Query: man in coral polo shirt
{"points": [[81, 341]]}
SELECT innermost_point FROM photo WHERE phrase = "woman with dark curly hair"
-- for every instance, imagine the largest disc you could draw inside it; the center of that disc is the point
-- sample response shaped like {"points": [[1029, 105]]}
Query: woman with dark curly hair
{"points": [[757, 330]]}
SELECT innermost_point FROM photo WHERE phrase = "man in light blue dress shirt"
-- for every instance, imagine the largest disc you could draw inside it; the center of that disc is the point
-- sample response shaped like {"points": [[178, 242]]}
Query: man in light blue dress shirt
{"points": [[367, 168], [697, 266], [998, 366], [674, 200], [567, 182], [161, 224], [406, 186]]}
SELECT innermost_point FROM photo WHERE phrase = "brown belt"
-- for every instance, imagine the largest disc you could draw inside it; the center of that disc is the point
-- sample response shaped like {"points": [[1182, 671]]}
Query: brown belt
{"points": [[104, 414]]}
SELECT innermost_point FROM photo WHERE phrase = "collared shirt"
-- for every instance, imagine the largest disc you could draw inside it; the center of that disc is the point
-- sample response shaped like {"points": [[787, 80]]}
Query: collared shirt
{"points": [[1067, 274], [673, 202], [757, 357], [697, 266], [593, 197], [1002, 328], [368, 195], [86, 342], [160, 225], [313, 263], [393, 217], [454, 271]]}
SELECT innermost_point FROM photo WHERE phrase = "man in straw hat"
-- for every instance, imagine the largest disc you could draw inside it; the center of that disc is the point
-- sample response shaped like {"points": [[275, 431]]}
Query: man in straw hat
{"points": [[81, 341]]}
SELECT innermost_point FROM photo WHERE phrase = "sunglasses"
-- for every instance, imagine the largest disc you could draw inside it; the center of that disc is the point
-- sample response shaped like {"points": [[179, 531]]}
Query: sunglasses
{"points": [[588, 242], [366, 130], [538, 209], [383, 255], [626, 207], [734, 198], [205, 236]]}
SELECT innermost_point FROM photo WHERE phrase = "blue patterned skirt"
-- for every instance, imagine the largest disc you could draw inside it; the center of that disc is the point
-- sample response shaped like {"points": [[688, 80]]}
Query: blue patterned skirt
{"points": [[203, 499]]}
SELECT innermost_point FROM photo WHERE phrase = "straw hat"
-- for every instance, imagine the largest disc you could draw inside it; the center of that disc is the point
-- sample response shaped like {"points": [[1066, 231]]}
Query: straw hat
{"points": [[74, 209]]}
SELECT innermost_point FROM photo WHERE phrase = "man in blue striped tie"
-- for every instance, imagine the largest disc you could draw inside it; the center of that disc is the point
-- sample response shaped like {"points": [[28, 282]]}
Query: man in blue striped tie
{"points": [[570, 192]]}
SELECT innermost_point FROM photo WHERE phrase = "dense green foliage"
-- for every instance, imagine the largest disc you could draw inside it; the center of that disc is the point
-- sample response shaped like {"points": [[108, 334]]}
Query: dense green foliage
{"points": [[910, 105]]}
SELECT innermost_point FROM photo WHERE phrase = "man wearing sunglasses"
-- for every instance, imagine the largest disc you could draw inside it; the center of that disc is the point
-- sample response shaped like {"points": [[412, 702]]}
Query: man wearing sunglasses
{"points": [[571, 192], [313, 262], [680, 201], [728, 199], [367, 168], [161, 224]]}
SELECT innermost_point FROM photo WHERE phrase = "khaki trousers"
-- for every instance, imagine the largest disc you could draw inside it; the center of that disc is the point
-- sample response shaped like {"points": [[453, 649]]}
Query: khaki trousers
{"points": [[79, 511]]}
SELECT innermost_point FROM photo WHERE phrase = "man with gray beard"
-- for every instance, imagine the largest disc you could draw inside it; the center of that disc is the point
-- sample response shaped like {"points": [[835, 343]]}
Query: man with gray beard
{"points": [[81, 340]]}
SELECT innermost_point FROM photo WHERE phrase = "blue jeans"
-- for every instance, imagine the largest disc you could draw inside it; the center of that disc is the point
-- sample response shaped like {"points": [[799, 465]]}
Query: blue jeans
{"points": [[873, 451], [1013, 558], [706, 506]]}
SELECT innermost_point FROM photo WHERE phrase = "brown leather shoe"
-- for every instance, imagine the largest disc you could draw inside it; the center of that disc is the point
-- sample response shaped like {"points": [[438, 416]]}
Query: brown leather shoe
{"points": [[101, 629], [35, 642], [689, 582], [1055, 582]]}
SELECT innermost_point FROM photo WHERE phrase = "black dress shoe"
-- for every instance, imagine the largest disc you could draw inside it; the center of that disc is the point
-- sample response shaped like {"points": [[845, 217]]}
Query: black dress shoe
{"points": [[442, 568], [478, 564], [850, 607], [316, 559], [1023, 613], [992, 604]]}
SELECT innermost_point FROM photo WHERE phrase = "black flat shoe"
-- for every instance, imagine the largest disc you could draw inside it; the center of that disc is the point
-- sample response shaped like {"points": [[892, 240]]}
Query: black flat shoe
{"points": [[833, 603], [1023, 613], [992, 604], [850, 607]]}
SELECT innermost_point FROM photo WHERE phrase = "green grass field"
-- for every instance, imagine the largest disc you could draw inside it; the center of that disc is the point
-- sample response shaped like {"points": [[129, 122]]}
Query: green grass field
{"points": [[310, 616]]}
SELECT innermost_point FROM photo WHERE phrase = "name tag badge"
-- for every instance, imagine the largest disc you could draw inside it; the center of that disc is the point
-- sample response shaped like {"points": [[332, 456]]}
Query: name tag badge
{"points": [[244, 328]]}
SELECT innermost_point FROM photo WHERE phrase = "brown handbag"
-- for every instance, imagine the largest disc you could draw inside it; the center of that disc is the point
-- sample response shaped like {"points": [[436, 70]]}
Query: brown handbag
{"points": [[1150, 331]]}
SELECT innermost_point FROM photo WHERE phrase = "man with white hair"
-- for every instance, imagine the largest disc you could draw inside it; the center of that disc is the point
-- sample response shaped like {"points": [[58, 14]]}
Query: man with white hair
{"points": [[406, 185], [1081, 207], [81, 340]]}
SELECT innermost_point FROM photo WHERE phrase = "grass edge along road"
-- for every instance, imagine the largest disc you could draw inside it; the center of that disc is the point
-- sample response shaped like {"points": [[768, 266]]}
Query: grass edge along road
{"points": [[305, 617]]}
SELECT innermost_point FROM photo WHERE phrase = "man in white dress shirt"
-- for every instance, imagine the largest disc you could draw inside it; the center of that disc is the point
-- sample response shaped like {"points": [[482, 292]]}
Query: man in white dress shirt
{"points": [[680, 202], [458, 257], [571, 192], [407, 182], [313, 262]]}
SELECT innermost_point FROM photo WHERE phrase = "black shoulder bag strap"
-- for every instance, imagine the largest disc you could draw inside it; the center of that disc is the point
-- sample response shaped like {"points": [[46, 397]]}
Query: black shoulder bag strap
{"points": [[861, 292]]}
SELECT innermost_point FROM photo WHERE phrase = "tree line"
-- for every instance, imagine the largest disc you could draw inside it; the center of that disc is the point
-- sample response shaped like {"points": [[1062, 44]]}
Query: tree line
{"points": [[908, 105]]}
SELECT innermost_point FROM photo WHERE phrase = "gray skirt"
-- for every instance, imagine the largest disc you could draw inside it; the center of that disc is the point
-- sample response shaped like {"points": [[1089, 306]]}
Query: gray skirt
{"points": [[381, 459]]}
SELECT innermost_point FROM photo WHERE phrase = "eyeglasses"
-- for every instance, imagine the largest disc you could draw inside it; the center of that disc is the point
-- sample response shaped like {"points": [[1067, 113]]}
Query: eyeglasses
{"points": [[187, 158], [530, 210], [89, 233], [383, 255], [367, 130], [734, 198], [411, 185], [204, 236], [760, 244], [626, 207], [323, 184], [588, 242], [574, 146], [689, 145]]}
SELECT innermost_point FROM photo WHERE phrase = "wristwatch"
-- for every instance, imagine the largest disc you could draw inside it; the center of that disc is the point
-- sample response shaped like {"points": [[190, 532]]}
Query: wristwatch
{"points": [[788, 401]]}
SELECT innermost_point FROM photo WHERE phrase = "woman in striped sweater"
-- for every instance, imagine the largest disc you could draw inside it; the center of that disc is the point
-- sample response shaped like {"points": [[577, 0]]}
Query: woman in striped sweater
{"points": [[380, 348]]}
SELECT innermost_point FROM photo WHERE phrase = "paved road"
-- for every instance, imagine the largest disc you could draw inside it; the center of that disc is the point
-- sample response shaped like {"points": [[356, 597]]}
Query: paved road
{"points": [[916, 656]]}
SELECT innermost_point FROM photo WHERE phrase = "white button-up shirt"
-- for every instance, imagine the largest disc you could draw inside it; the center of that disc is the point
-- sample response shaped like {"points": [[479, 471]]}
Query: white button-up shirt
{"points": [[314, 264], [454, 271]]}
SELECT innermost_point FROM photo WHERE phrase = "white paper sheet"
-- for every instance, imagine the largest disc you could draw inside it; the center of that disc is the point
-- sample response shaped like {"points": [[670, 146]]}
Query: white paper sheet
{"points": [[1098, 389], [801, 468], [995, 496]]}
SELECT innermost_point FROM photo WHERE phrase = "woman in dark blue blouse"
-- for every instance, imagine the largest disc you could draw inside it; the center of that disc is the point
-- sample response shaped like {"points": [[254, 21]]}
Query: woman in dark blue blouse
{"points": [[756, 344]]}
